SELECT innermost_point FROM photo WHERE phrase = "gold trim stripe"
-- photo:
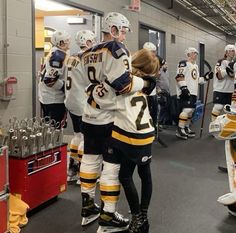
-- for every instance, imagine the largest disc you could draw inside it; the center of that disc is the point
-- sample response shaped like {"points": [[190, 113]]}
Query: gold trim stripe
{"points": [[109, 188], [132, 141]]}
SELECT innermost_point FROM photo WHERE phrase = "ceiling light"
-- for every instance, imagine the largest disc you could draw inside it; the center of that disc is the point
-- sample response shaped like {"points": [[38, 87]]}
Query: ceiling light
{"points": [[47, 5]]}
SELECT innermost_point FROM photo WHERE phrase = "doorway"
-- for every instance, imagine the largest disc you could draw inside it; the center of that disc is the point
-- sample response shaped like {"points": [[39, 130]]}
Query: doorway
{"points": [[51, 15], [156, 36]]}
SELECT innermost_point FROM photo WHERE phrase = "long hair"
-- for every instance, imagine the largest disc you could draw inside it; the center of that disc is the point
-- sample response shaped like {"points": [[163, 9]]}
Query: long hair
{"points": [[145, 63]]}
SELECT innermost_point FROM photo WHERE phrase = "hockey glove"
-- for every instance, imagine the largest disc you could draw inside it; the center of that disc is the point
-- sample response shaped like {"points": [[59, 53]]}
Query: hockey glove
{"points": [[208, 75], [230, 71], [185, 94], [151, 84]]}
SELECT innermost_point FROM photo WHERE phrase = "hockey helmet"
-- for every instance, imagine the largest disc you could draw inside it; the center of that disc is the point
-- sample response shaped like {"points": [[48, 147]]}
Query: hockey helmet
{"points": [[190, 50], [229, 47], [115, 19], [60, 37], [149, 46], [83, 36]]}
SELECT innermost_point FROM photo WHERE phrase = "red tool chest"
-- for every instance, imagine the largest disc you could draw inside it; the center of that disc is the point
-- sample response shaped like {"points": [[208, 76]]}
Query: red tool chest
{"points": [[39, 177], [3, 170]]}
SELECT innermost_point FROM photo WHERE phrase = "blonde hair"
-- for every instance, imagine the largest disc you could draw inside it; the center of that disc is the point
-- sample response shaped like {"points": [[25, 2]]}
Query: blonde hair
{"points": [[144, 63]]}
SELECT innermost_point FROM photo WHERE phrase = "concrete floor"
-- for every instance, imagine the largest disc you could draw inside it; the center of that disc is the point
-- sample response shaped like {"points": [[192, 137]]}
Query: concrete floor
{"points": [[186, 186]]}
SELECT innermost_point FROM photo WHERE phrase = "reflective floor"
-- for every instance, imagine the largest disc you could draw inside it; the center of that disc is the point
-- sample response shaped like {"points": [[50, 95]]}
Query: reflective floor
{"points": [[186, 185]]}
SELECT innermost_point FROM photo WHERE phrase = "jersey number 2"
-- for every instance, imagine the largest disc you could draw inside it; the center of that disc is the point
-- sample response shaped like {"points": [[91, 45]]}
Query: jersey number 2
{"points": [[134, 101]]}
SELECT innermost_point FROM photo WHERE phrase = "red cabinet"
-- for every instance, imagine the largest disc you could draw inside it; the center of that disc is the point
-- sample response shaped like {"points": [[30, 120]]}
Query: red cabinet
{"points": [[3, 170], [39, 177]]}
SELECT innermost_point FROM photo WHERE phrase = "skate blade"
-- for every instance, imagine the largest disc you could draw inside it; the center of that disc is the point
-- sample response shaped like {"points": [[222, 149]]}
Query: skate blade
{"points": [[181, 137], [88, 220], [108, 229], [232, 213], [227, 199]]}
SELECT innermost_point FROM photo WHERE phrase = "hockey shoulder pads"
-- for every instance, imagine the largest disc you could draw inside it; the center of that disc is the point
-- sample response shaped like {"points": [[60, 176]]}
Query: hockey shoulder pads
{"points": [[150, 86], [57, 59], [185, 94], [116, 49], [182, 64]]}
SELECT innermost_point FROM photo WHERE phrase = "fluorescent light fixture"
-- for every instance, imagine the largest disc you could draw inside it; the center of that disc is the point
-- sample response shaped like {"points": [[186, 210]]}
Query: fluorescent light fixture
{"points": [[76, 20], [47, 5]]}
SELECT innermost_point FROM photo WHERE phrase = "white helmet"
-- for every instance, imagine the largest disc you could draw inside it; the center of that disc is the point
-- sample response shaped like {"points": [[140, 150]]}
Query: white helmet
{"points": [[83, 36], [59, 37], [229, 47], [190, 50], [149, 46], [115, 19]]}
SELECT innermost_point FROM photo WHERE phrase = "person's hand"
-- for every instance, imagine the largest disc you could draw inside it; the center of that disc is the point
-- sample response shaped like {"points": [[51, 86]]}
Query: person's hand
{"points": [[149, 84]]}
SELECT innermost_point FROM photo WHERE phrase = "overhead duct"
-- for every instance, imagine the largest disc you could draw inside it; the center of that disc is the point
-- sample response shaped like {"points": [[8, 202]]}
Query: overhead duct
{"points": [[219, 13]]}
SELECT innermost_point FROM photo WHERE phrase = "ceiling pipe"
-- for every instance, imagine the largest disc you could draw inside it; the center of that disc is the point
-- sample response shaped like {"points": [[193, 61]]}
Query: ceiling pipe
{"points": [[212, 5], [5, 44]]}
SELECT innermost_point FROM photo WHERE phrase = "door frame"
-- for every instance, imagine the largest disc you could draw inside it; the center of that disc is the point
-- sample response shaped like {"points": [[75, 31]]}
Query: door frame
{"points": [[34, 78], [148, 26]]}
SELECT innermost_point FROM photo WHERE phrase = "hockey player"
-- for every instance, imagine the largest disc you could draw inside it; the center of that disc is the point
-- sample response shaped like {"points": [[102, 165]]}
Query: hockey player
{"points": [[152, 98], [223, 128], [107, 66], [75, 98], [51, 86], [223, 85], [187, 89], [132, 137]]}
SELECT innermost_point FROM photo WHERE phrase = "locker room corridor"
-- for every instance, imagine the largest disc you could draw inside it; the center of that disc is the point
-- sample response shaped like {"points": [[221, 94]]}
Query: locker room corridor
{"points": [[186, 185]]}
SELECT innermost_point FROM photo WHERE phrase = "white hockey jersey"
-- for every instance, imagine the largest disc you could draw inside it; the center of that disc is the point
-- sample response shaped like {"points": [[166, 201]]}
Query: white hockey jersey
{"points": [[51, 85], [75, 84], [191, 76], [108, 65], [132, 123], [225, 83]]}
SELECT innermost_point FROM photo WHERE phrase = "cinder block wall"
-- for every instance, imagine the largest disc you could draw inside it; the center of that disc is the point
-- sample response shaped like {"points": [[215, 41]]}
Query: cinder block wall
{"points": [[19, 58], [186, 35], [19, 36]]}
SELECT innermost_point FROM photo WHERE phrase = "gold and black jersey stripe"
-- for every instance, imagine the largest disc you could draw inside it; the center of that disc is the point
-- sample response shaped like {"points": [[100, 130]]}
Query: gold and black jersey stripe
{"points": [[134, 139]]}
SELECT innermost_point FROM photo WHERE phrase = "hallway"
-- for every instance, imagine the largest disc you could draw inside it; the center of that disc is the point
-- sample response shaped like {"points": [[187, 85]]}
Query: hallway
{"points": [[186, 185]]}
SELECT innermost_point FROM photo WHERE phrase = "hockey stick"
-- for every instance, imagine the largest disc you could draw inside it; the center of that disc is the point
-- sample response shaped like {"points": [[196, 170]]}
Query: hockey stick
{"points": [[205, 101]]}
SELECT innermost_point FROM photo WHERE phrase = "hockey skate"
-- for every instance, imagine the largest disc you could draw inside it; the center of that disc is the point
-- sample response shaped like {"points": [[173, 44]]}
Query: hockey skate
{"points": [[90, 210], [72, 174], [227, 199], [112, 222], [189, 132], [180, 133]]}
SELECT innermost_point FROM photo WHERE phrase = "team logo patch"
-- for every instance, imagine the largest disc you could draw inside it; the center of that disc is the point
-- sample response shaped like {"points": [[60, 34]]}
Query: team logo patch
{"points": [[146, 158], [194, 74], [110, 150]]}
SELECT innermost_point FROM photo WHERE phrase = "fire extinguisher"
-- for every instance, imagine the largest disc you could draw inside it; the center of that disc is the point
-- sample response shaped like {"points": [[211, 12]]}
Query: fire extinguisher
{"points": [[7, 88], [9, 85]]}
